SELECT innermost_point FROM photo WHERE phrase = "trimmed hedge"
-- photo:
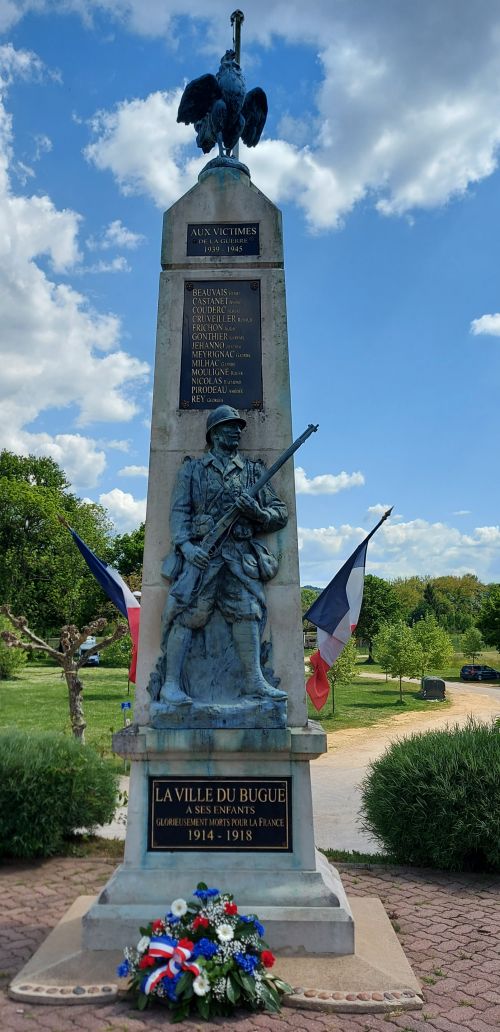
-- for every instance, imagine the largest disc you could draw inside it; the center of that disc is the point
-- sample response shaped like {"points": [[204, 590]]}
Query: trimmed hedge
{"points": [[50, 785], [433, 800]]}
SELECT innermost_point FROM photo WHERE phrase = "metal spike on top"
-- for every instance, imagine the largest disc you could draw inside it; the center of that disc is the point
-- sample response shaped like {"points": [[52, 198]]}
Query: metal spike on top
{"points": [[221, 110]]}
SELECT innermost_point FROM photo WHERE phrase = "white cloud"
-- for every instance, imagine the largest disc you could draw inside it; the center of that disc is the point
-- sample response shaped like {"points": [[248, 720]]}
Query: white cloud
{"points": [[379, 128], [119, 264], [133, 471], [126, 511], [378, 509], [326, 483], [80, 457], [18, 64], [52, 340], [147, 151], [400, 550], [115, 235], [462, 512], [43, 145], [487, 324]]}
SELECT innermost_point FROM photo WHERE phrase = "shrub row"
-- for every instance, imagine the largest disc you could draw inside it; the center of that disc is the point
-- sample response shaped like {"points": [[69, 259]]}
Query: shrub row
{"points": [[50, 785], [433, 799]]}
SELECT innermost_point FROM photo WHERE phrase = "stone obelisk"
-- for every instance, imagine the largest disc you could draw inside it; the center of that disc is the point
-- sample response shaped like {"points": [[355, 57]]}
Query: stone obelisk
{"points": [[220, 785]]}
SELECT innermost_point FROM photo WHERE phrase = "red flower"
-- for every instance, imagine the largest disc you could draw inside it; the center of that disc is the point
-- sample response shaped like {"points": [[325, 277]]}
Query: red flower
{"points": [[186, 944], [147, 961], [200, 922], [231, 908], [267, 958], [157, 926]]}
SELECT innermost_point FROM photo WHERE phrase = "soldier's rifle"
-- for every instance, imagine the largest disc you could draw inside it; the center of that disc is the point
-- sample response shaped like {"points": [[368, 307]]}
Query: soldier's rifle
{"points": [[213, 540]]}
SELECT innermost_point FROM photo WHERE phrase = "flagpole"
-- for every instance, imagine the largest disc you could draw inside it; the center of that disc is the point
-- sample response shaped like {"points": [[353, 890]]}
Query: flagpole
{"points": [[379, 524]]}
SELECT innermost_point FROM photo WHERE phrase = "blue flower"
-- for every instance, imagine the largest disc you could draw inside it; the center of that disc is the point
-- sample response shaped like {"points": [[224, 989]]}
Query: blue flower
{"points": [[206, 893], [170, 986], [123, 969], [253, 920], [205, 948], [166, 940], [171, 919], [247, 961]]}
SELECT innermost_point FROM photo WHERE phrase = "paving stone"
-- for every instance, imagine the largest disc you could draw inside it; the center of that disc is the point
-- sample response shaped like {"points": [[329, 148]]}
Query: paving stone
{"points": [[436, 936]]}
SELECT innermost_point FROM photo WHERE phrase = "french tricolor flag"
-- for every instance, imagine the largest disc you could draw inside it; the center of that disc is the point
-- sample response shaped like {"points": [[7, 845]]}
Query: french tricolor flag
{"points": [[336, 613], [117, 591]]}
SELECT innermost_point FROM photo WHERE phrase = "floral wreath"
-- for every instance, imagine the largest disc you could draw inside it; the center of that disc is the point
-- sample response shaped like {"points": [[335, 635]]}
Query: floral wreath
{"points": [[203, 956]]}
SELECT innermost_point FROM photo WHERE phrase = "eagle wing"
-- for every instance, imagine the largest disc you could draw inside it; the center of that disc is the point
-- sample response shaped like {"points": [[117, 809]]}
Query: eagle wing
{"points": [[197, 99], [255, 113]]}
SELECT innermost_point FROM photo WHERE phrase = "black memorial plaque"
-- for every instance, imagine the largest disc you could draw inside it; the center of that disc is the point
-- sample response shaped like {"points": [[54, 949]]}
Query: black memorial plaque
{"points": [[222, 239], [221, 361], [242, 815]]}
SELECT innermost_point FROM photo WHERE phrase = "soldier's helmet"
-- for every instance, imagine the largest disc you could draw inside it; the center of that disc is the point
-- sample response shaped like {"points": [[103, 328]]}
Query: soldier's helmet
{"points": [[223, 414]]}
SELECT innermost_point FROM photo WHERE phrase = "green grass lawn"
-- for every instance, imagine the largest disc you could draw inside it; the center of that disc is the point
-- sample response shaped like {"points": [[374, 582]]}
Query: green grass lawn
{"points": [[452, 673], [367, 701], [38, 698]]}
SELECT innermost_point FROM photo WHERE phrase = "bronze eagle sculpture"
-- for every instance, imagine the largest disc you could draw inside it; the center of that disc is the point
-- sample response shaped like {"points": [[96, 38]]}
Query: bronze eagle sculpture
{"points": [[221, 109]]}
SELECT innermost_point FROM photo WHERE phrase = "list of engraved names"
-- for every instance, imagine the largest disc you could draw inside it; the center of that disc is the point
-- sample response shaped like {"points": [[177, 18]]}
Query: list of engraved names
{"points": [[221, 344]]}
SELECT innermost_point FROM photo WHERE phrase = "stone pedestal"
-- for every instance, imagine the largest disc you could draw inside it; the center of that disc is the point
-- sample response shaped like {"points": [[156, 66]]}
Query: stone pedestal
{"points": [[297, 895]]}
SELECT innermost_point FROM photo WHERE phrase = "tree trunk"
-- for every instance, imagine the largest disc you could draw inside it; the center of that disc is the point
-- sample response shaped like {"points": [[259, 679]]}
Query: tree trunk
{"points": [[75, 689], [400, 688]]}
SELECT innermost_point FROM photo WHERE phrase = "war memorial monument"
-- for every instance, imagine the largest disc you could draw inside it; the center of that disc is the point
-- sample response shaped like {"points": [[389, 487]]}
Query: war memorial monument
{"points": [[220, 747]]}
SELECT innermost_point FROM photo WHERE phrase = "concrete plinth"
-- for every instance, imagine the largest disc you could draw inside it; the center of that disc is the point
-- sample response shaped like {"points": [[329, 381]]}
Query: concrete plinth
{"points": [[298, 895], [368, 981]]}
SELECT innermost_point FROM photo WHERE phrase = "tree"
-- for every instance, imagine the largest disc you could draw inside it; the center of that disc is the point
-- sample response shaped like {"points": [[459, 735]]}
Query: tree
{"points": [[127, 552], [409, 592], [435, 644], [307, 597], [42, 573], [67, 656], [402, 653], [472, 643], [380, 605], [489, 617], [459, 601], [342, 671]]}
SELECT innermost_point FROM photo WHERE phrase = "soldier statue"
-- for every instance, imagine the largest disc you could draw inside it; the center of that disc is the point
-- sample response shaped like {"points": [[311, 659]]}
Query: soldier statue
{"points": [[228, 578]]}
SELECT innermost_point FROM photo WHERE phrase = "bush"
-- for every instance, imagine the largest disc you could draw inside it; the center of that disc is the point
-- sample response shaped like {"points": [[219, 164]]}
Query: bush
{"points": [[11, 660], [433, 800], [119, 654], [50, 785]]}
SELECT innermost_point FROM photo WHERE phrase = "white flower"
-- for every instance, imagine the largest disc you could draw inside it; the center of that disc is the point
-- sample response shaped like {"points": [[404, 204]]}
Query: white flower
{"points": [[201, 984], [179, 907], [143, 944], [225, 933]]}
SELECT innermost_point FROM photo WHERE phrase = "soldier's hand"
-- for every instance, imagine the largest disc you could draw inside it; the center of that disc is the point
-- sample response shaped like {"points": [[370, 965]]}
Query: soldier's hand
{"points": [[249, 507], [196, 555]]}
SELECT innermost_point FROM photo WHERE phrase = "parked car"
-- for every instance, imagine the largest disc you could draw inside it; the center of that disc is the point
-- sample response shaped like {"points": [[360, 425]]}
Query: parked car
{"points": [[474, 672], [85, 646]]}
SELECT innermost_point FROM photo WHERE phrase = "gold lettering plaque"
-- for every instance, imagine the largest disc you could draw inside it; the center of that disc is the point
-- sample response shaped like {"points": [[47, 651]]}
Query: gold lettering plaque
{"points": [[242, 815]]}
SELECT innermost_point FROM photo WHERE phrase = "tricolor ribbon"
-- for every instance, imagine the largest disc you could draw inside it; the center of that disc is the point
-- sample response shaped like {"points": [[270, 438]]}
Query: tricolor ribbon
{"points": [[178, 961]]}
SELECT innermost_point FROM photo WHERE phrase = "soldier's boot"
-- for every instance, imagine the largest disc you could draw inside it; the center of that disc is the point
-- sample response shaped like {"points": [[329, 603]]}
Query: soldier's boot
{"points": [[247, 639], [177, 645]]}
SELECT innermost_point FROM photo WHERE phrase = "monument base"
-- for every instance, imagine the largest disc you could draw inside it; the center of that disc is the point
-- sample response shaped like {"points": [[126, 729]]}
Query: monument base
{"points": [[376, 978], [251, 712], [232, 808]]}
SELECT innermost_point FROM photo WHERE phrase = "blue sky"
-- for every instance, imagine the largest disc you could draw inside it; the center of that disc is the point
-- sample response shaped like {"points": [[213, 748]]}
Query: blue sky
{"points": [[381, 148]]}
